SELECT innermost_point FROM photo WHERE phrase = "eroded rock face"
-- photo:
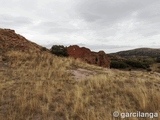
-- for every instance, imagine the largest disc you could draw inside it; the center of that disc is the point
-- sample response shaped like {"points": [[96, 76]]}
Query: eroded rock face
{"points": [[100, 58]]}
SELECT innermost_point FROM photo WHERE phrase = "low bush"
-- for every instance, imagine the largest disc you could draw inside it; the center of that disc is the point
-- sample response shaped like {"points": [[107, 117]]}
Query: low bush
{"points": [[136, 64], [118, 64], [59, 50]]}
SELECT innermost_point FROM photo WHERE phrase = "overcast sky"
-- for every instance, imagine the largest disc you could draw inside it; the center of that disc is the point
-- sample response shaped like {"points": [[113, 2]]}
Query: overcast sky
{"points": [[109, 25]]}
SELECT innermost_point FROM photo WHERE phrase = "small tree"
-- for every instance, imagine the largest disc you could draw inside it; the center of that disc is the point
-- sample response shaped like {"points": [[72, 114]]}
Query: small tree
{"points": [[59, 50]]}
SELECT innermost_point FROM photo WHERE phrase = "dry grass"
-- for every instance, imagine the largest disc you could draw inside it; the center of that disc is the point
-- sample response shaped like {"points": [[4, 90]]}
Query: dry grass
{"points": [[38, 86], [156, 67]]}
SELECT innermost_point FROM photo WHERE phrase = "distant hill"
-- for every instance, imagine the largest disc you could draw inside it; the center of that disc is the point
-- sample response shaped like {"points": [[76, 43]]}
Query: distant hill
{"points": [[141, 58], [139, 52]]}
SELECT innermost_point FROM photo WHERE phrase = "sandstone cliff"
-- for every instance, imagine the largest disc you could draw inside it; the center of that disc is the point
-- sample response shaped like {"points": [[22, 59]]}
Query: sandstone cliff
{"points": [[97, 58]]}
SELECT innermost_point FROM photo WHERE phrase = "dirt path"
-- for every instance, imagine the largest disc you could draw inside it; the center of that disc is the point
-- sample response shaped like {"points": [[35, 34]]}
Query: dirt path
{"points": [[80, 73]]}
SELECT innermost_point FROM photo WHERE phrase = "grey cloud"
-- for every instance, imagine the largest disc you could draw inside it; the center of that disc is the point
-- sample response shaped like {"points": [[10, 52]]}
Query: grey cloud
{"points": [[109, 10], [49, 23], [50, 27], [108, 48], [150, 12], [98, 24], [62, 30], [45, 25], [17, 4], [90, 17], [102, 15], [12, 21]]}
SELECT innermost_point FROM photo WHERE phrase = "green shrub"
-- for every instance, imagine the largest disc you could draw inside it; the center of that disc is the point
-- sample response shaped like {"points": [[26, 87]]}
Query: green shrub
{"points": [[118, 64], [59, 50], [136, 64]]}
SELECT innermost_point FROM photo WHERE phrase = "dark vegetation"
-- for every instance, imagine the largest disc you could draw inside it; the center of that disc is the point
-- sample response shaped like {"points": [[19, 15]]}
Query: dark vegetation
{"points": [[129, 63], [142, 58], [118, 64], [59, 50]]}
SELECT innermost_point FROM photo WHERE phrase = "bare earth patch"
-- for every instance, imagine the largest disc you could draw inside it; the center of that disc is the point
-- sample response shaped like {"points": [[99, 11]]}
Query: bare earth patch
{"points": [[79, 74]]}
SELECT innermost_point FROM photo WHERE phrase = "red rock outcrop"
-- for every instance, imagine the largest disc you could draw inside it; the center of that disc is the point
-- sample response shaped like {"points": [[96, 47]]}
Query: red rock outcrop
{"points": [[9, 41], [97, 58]]}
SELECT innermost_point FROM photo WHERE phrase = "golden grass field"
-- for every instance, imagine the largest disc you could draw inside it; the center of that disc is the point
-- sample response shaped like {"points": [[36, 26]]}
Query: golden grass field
{"points": [[39, 86]]}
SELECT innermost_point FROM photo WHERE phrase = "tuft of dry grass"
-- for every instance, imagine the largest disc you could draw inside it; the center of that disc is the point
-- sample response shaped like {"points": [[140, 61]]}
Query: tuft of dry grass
{"points": [[38, 86]]}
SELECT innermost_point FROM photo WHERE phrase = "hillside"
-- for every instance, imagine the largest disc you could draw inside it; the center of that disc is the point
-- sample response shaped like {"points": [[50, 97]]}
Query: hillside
{"points": [[9, 41], [139, 52], [36, 85], [141, 58]]}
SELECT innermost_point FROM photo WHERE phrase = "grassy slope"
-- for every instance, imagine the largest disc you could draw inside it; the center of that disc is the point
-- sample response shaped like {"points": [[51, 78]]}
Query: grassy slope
{"points": [[37, 86]]}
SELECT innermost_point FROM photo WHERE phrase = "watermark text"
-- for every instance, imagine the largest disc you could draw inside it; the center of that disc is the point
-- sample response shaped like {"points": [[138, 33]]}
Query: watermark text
{"points": [[137, 114]]}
